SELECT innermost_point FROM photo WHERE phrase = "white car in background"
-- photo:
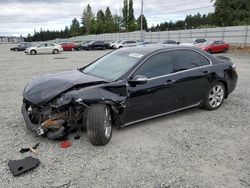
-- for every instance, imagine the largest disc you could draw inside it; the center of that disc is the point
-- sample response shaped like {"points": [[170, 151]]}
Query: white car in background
{"points": [[194, 42], [125, 43], [43, 48]]}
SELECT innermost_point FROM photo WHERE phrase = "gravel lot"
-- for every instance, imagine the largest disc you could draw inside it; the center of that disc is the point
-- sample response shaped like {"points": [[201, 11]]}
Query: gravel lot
{"points": [[192, 148]]}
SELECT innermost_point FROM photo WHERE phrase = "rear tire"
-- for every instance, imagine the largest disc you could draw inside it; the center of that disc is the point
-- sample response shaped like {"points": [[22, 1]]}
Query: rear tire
{"points": [[33, 52], [55, 51], [215, 96], [99, 124], [225, 50], [210, 51]]}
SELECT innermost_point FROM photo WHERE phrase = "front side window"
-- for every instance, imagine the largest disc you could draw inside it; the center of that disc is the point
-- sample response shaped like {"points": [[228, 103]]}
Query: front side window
{"points": [[157, 65], [188, 59], [41, 45]]}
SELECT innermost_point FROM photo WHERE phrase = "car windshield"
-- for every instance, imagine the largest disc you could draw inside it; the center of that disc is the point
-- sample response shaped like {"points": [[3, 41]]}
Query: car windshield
{"points": [[113, 66]]}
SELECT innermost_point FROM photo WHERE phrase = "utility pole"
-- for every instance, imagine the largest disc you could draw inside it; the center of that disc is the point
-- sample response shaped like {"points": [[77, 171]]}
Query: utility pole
{"points": [[142, 20]]}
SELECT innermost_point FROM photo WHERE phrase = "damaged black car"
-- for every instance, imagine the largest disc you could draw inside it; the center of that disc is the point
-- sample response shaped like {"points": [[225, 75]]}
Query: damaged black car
{"points": [[124, 87]]}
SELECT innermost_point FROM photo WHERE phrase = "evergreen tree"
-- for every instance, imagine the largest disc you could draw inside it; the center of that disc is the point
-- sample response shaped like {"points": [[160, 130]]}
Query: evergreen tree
{"points": [[125, 14], [87, 18], [99, 23], [232, 12], [132, 26], [144, 23], [118, 22], [109, 22], [66, 32], [75, 28]]}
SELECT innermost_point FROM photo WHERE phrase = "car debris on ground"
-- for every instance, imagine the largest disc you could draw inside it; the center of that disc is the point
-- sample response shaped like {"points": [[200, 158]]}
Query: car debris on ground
{"points": [[32, 149], [18, 167], [65, 144]]}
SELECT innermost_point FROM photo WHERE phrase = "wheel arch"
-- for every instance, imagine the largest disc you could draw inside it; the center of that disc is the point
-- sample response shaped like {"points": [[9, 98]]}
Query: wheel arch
{"points": [[224, 82], [114, 111], [33, 50]]}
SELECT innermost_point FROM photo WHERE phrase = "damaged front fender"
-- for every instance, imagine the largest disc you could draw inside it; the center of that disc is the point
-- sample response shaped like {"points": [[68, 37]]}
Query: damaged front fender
{"points": [[60, 115]]}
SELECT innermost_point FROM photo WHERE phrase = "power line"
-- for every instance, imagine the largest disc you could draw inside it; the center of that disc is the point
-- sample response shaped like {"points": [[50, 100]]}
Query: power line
{"points": [[184, 10]]}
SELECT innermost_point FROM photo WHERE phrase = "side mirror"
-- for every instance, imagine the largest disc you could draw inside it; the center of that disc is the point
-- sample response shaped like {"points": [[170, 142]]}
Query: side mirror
{"points": [[138, 80]]}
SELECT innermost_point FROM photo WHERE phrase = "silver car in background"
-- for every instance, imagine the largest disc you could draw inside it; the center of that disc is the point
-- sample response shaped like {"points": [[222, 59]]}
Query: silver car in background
{"points": [[44, 48], [126, 43]]}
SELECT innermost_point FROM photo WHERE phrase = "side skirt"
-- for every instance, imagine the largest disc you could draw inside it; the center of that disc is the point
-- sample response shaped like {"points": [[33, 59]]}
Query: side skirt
{"points": [[177, 110]]}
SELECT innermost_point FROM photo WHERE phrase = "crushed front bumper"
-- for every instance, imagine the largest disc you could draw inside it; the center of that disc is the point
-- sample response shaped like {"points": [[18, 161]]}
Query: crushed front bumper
{"points": [[31, 126]]}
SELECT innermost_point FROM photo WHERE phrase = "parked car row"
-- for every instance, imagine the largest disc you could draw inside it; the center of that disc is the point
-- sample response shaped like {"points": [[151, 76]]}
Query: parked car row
{"points": [[48, 47]]}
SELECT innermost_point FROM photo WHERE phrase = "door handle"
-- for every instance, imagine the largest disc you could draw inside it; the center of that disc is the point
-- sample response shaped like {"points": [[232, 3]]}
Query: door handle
{"points": [[169, 82]]}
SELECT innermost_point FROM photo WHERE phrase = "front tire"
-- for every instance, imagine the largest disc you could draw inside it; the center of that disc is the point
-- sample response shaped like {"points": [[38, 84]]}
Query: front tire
{"points": [[33, 52], [215, 96], [99, 124]]}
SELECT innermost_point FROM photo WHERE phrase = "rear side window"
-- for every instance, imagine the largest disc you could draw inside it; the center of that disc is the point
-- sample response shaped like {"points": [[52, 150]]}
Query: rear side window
{"points": [[50, 44], [187, 59], [200, 40], [157, 65]]}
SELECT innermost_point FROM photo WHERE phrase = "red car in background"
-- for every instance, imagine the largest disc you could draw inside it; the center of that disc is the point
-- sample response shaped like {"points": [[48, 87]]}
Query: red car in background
{"points": [[214, 47], [68, 46]]}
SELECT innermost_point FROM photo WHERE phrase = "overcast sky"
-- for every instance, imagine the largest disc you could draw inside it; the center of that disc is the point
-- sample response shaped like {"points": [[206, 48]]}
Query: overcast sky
{"points": [[20, 17]]}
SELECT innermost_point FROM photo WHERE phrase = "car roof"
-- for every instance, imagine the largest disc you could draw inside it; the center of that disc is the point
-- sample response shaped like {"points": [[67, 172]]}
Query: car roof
{"points": [[151, 48]]}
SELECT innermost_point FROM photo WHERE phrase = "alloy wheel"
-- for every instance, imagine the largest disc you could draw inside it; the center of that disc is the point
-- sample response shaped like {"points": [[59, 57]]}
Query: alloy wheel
{"points": [[216, 96], [107, 123]]}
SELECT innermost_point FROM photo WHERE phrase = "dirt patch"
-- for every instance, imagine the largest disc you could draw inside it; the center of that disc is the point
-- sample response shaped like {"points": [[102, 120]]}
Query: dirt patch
{"points": [[239, 48]]}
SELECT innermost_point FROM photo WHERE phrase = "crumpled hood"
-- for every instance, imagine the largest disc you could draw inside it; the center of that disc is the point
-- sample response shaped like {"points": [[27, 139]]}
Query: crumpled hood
{"points": [[42, 89]]}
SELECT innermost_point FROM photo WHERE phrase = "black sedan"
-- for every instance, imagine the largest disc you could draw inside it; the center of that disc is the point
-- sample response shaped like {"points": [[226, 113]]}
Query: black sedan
{"points": [[21, 47], [95, 45], [124, 87]]}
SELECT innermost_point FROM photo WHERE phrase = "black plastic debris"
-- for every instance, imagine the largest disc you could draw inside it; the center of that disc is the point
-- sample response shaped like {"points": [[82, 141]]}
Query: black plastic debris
{"points": [[18, 167], [23, 150]]}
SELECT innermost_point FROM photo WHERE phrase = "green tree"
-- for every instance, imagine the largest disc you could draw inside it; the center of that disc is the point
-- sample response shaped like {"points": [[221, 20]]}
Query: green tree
{"points": [[132, 25], [109, 21], [118, 22], [231, 12], [125, 14], [66, 32], [87, 18], [99, 23], [144, 23], [75, 28]]}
